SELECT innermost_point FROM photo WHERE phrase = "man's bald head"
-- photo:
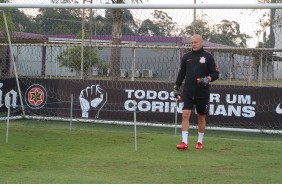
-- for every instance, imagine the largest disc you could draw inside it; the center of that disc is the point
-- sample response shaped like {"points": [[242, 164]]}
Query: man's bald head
{"points": [[197, 42]]}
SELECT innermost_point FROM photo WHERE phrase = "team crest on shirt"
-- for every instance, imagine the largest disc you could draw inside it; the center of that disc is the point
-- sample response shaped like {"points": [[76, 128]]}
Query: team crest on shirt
{"points": [[202, 59]]}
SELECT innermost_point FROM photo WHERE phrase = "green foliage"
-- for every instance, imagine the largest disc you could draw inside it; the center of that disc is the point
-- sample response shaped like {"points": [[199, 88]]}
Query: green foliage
{"points": [[103, 25], [58, 21], [9, 21], [148, 28], [23, 22], [200, 26], [161, 25], [68, 21], [226, 32], [8, 14], [267, 21], [71, 58], [164, 22]]}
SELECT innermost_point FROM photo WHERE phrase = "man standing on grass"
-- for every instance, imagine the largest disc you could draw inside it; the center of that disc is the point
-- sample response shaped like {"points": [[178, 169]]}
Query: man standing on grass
{"points": [[198, 68]]}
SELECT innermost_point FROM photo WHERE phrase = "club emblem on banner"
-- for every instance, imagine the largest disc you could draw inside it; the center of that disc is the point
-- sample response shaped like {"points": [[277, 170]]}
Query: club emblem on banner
{"points": [[36, 96]]}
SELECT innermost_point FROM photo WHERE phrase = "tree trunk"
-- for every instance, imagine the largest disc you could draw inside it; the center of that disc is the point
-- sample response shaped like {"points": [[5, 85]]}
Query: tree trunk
{"points": [[271, 34], [116, 40]]}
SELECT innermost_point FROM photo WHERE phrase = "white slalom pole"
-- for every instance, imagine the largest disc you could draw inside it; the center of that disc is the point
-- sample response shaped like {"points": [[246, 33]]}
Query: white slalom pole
{"points": [[135, 128], [175, 116], [71, 109], [8, 123]]}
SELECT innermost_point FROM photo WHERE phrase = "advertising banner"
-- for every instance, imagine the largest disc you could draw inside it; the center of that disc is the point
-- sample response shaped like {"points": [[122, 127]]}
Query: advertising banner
{"points": [[230, 106]]}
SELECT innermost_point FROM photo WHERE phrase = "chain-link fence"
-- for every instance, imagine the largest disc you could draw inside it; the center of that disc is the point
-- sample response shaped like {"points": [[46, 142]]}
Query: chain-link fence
{"points": [[115, 61]]}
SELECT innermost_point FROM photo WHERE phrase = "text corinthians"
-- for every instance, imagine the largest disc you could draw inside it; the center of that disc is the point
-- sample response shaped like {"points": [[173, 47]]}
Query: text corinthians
{"points": [[163, 101]]}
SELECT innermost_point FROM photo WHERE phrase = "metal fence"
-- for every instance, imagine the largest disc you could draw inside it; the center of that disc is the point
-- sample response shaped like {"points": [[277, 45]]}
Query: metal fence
{"points": [[244, 66], [77, 54]]}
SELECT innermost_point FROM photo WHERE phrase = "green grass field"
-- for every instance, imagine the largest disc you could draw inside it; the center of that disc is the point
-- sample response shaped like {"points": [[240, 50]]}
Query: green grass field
{"points": [[48, 152]]}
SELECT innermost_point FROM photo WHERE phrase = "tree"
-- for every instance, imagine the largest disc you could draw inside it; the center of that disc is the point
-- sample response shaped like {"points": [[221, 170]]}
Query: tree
{"points": [[71, 58], [129, 27], [59, 21], [228, 33], [103, 25], [149, 28], [116, 39], [161, 25], [23, 23], [8, 13], [117, 15], [4, 50], [164, 22], [268, 21], [201, 26]]}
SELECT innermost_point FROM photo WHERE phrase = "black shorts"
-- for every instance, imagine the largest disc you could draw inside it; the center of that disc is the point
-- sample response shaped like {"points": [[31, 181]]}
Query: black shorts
{"points": [[201, 104]]}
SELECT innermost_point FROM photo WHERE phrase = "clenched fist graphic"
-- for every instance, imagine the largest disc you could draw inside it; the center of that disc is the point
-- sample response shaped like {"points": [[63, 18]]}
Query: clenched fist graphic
{"points": [[92, 97]]}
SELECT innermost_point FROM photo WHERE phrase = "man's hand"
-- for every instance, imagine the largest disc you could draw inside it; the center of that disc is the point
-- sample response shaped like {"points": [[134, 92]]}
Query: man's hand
{"points": [[176, 92], [202, 82]]}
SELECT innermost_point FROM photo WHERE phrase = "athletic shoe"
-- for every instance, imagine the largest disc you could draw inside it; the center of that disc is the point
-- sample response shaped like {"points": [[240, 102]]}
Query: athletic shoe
{"points": [[182, 146], [199, 146]]}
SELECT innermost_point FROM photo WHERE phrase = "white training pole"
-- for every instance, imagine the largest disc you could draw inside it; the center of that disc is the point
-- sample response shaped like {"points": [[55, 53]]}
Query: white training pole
{"points": [[135, 128], [71, 109], [175, 120], [8, 123]]}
